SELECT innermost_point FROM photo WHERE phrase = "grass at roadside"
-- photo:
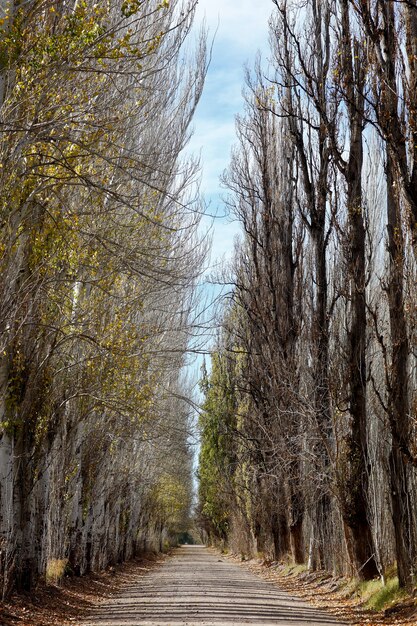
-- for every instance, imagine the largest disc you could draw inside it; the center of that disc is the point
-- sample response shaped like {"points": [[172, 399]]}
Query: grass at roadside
{"points": [[355, 602], [379, 596], [376, 594]]}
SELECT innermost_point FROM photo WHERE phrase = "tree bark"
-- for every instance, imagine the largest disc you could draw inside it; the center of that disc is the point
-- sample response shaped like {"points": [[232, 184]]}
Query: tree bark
{"points": [[353, 474], [280, 534], [297, 542], [398, 393]]}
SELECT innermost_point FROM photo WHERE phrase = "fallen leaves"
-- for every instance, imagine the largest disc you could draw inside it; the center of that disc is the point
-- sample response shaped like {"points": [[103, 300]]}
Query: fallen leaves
{"points": [[323, 591], [74, 599]]}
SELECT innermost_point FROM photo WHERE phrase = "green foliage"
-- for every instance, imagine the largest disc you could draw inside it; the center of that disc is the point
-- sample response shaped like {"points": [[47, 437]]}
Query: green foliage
{"points": [[172, 501], [186, 538], [293, 570], [98, 260], [379, 596], [130, 7], [217, 455], [376, 594]]}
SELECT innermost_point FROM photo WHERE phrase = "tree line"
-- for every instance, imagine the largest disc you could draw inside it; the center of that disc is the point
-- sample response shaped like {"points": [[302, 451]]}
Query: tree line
{"points": [[308, 425], [99, 259]]}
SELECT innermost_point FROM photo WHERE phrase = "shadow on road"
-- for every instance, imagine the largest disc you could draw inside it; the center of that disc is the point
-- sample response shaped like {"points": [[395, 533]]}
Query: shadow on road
{"points": [[196, 587]]}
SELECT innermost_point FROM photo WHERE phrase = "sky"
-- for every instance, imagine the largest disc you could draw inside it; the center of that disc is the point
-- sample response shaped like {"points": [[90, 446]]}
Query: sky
{"points": [[240, 29]]}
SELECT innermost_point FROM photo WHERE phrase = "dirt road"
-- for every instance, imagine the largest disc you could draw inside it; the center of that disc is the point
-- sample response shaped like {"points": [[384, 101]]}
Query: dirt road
{"points": [[198, 587]]}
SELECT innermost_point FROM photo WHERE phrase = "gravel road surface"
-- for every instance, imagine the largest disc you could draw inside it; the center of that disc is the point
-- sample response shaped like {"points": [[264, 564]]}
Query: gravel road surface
{"points": [[197, 587]]}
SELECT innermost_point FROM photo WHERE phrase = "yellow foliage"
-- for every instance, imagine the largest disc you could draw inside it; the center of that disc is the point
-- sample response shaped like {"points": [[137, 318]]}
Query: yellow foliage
{"points": [[172, 498], [55, 570]]}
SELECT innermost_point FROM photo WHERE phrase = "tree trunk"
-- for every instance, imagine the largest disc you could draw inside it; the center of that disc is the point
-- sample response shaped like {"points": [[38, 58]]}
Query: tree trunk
{"points": [[398, 395], [353, 475], [296, 511], [401, 515], [297, 543], [280, 534], [411, 99], [360, 546], [321, 391]]}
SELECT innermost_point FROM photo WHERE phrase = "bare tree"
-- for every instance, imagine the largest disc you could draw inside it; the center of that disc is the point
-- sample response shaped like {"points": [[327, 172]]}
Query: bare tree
{"points": [[99, 260]]}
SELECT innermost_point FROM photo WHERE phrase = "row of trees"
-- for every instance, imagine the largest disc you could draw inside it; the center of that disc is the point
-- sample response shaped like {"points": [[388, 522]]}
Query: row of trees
{"points": [[99, 259], [309, 420]]}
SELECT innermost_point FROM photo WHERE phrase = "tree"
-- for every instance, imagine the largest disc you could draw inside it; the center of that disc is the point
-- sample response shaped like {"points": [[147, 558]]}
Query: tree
{"points": [[97, 226], [322, 290], [303, 82], [352, 473]]}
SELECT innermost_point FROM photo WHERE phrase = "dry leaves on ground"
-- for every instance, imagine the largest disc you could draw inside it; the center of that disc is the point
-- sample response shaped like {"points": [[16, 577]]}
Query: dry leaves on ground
{"points": [[324, 591], [66, 604]]}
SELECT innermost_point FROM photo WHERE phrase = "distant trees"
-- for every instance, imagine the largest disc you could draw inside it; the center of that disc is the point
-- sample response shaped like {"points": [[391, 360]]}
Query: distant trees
{"points": [[99, 256], [319, 333]]}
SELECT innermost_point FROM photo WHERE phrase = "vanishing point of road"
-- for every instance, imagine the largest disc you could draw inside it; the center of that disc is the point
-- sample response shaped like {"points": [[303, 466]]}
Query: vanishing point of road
{"points": [[196, 587]]}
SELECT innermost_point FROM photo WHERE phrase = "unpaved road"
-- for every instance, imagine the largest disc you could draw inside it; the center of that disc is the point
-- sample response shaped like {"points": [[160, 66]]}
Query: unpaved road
{"points": [[197, 587]]}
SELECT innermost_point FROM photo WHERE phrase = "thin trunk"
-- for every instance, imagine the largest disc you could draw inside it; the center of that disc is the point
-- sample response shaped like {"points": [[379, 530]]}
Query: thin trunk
{"points": [[398, 394], [280, 534], [407, 157], [321, 391], [296, 512], [297, 542], [392, 100], [353, 477]]}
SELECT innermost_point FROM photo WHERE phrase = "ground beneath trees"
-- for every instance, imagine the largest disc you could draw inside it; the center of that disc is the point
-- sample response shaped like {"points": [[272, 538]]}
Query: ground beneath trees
{"points": [[194, 586], [74, 599], [328, 593]]}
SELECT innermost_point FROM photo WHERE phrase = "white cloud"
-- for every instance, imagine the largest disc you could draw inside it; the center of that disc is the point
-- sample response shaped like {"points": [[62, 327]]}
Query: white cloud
{"points": [[223, 240], [242, 29], [243, 23], [213, 140]]}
